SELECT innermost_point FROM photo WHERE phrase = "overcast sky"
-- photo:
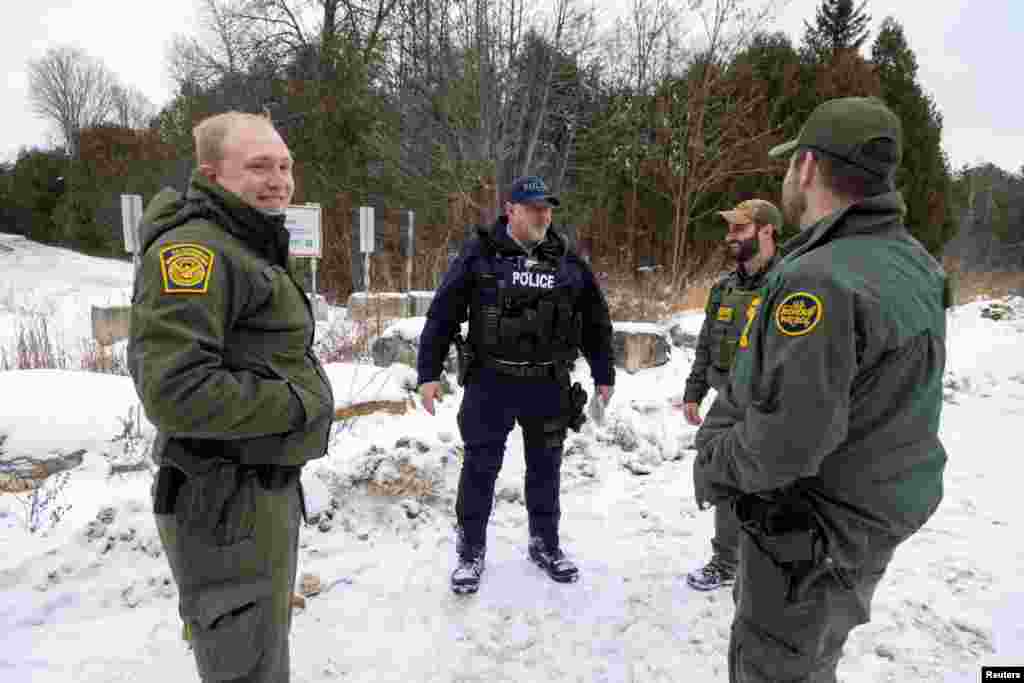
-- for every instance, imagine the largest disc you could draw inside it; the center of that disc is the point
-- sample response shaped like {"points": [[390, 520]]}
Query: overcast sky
{"points": [[969, 60]]}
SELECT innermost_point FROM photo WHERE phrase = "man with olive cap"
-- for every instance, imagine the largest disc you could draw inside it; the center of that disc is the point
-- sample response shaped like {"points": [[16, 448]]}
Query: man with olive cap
{"points": [[752, 229], [827, 444]]}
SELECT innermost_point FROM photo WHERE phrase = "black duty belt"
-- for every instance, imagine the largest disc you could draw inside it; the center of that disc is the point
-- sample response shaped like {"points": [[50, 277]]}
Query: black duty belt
{"points": [[275, 477], [529, 370]]}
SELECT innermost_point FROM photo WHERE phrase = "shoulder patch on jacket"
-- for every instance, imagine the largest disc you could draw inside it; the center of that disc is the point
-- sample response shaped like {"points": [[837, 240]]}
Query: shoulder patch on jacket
{"points": [[186, 268], [798, 314]]}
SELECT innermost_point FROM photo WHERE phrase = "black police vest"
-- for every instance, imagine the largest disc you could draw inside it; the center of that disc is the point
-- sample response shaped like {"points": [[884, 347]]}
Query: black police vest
{"points": [[522, 310]]}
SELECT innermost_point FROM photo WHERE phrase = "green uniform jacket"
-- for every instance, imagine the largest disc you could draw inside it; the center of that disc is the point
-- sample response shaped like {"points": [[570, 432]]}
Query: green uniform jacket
{"points": [[703, 373], [221, 335], [839, 389]]}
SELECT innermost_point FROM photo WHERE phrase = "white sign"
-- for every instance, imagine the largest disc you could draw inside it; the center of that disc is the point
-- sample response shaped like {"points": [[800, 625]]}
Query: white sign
{"points": [[302, 221], [366, 229], [131, 216]]}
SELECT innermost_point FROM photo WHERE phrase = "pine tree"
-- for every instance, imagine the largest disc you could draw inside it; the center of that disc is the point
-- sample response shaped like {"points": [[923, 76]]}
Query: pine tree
{"points": [[924, 177], [838, 25]]}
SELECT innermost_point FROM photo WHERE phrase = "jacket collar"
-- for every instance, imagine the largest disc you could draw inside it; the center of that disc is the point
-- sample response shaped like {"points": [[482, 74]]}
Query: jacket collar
{"points": [[869, 216], [552, 245]]}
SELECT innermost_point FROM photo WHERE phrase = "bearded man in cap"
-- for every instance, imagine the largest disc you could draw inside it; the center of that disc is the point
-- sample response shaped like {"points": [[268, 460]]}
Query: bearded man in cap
{"points": [[732, 302], [827, 444]]}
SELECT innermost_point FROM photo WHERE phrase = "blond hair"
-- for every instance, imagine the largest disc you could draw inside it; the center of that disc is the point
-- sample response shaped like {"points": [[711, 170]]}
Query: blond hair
{"points": [[210, 133]]}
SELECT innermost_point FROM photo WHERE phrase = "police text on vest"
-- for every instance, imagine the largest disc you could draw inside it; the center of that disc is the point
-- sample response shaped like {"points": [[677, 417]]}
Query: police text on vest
{"points": [[539, 280]]}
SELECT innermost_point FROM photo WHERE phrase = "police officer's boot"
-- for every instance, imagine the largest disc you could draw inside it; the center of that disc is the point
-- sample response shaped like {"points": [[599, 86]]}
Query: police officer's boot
{"points": [[553, 561], [718, 573], [470, 567]]}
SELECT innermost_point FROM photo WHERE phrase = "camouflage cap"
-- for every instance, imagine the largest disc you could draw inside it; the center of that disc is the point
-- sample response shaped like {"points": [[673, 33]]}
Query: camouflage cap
{"points": [[850, 128], [754, 211]]}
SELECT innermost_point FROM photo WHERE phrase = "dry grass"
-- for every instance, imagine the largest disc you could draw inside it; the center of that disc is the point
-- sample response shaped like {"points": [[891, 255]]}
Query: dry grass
{"points": [[350, 345], [974, 285], [34, 348], [651, 298], [37, 347], [408, 484]]}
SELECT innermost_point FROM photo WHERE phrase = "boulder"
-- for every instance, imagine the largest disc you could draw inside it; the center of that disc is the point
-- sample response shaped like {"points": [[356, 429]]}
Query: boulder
{"points": [[640, 345], [419, 303], [374, 306], [110, 324], [393, 349], [319, 305], [681, 338]]}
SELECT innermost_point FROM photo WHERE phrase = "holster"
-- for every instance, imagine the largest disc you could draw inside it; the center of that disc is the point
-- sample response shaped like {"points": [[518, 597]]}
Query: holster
{"points": [[464, 356]]}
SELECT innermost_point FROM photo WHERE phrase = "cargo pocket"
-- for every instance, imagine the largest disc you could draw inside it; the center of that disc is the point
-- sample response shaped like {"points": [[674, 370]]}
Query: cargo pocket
{"points": [[760, 655], [228, 626]]}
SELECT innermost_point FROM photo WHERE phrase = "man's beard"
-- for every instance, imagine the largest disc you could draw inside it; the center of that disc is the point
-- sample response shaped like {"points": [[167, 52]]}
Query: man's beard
{"points": [[794, 204], [747, 249]]}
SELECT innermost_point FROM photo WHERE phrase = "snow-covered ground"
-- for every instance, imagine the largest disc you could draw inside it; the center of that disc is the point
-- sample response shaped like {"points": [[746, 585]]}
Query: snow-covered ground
{"points": [[90, 598]]}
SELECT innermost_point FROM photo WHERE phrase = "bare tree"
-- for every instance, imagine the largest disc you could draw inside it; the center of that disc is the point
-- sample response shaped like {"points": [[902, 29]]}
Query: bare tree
{"points": [[131, 108], [486, 90], [222, 49], [71, 89], [646, 45], [707, 119]]}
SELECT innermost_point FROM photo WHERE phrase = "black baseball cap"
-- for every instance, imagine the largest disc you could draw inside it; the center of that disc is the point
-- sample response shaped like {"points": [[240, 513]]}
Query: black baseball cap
{"points": [[531, 189]]}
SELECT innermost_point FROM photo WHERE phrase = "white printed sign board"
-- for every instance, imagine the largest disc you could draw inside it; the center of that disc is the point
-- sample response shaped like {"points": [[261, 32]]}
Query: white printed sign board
{"points": [[305, 235]]}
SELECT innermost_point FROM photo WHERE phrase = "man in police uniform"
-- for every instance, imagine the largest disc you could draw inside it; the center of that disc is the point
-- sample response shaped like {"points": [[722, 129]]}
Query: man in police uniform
{"points": [[827, 445], [220, 352], [531, 303], [753, 226]]}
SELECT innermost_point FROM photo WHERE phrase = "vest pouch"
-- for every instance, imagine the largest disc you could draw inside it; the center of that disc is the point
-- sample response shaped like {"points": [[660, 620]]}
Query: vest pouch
{"points": [[726, 353], [490, 318]]}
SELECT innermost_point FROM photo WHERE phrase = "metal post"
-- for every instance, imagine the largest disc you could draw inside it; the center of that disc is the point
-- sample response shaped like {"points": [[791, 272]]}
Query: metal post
{"points": [[313, 269]]}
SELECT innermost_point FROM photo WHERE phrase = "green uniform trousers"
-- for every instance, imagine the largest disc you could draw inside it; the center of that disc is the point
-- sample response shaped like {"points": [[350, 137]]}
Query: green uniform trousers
{"points": [[727, 530], [782, 635], [235, 580]]}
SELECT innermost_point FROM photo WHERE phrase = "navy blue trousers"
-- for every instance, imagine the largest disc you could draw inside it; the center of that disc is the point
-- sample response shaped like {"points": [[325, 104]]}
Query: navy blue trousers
{"points": [[492, 405]]}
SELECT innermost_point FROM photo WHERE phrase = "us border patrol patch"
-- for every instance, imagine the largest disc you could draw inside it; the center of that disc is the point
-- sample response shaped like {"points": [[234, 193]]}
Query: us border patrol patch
{"points": [[186, 268], [798, 314]]}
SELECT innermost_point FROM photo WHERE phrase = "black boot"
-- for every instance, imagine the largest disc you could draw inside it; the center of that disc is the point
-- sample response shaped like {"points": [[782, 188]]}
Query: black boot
{"points": [[553, 561], [466, 577]]}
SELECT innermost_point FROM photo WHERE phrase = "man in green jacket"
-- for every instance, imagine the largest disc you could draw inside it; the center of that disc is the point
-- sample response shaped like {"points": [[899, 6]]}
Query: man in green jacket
{"points": [[827, 443], [732, 302], [221, 356]]}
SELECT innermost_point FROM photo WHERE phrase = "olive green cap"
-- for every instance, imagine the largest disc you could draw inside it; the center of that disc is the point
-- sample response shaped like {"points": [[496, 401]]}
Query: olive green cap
{"points": [[756, 211], [849, 128]]}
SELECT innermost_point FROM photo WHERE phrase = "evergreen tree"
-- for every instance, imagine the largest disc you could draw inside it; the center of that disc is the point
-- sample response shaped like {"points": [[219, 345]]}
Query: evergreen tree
{"points": [[924, 176], [838, 25]]}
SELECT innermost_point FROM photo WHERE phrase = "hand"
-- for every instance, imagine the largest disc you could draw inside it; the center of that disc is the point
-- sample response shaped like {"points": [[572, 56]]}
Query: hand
{"points": [[605, 392], [692, 412], [428, 392]]}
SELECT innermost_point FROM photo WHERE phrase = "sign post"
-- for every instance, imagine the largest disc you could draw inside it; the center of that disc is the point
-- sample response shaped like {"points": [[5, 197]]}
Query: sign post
{"points": [[408, 244], [131, 216], [366, 241]]}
